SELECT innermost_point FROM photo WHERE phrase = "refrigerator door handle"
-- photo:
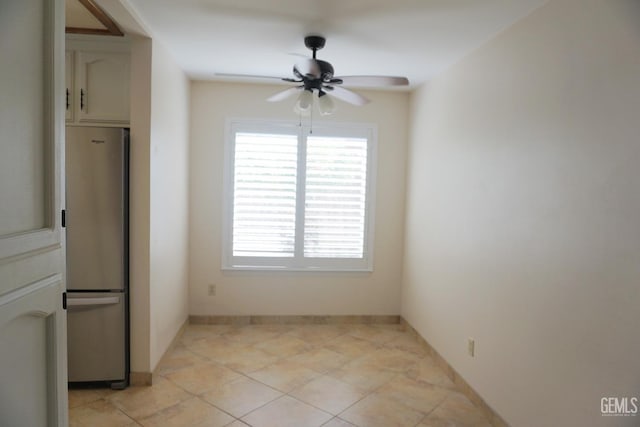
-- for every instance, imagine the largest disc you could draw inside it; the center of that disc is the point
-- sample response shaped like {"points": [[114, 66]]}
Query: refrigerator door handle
{"points": [[77, 302]]}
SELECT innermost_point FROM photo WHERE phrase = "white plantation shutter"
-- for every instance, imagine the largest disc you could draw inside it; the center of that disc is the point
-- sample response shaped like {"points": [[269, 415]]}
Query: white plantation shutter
{"points": [[296, 200], [335, 196], [264, 202]]}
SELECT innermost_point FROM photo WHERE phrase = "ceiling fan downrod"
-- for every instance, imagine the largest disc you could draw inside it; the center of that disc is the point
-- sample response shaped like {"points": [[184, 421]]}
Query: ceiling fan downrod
{"points": [[315, 43]]}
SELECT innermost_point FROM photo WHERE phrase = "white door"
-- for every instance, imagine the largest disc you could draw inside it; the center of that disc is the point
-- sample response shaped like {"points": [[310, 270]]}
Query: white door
{"points": [[32, 320]]}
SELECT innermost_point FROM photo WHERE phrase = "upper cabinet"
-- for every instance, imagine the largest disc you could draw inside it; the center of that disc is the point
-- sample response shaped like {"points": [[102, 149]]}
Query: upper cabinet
{"points": [[97, 88]]}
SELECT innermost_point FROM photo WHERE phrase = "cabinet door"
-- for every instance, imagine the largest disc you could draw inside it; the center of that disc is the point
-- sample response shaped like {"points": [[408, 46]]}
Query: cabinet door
{"points": [[102, 89], [68, 80]]}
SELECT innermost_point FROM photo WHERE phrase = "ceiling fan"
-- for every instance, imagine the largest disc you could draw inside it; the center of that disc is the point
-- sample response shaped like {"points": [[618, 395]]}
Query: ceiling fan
{"points": [[315, 76]]}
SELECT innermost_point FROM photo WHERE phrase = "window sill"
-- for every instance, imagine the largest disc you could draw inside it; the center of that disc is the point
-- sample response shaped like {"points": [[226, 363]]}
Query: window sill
{"points": [[275, 269]]}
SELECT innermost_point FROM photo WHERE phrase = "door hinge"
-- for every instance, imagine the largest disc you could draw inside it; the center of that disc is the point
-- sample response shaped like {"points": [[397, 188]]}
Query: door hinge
{"points": [[64, 300], [64, 218]]}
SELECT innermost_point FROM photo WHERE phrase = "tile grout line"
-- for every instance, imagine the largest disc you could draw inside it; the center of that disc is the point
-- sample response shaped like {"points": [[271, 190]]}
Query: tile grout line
{"points": [[199, 396], [430, 412]]}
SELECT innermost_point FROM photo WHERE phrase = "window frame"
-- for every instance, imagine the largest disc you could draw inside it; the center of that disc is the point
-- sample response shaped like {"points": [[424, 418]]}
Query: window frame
{"points": [[298, 262]]}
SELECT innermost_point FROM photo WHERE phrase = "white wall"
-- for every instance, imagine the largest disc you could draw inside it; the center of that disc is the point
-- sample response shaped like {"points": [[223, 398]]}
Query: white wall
{"points": [[169, 201], [139, 213], [523, 211], [273, 293], [159, 202]]}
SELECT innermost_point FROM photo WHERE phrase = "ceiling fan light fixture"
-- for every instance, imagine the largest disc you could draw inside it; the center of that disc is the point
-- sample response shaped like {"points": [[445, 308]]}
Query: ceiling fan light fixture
{"points": [[325, 104], [300, 112], [304, 103], [305, 99]]}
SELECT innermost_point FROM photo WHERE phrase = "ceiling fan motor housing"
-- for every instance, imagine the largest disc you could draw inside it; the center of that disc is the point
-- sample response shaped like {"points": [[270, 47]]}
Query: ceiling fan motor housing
{"points": [[314, 42]]}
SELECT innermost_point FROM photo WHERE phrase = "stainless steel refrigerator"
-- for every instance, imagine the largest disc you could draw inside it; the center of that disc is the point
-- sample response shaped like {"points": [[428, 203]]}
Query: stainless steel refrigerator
{"points": [[96, 222]]}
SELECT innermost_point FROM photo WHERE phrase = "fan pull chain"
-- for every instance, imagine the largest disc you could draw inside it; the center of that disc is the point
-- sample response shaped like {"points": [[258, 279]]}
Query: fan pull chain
{"points": [[310, 122]]}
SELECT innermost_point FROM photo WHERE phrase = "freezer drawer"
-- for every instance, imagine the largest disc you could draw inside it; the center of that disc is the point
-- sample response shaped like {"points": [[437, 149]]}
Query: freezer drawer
{"points": [[96, 336]]}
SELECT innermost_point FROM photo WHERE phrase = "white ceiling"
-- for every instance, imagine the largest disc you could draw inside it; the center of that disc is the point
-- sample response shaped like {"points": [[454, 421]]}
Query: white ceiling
{"points": [[412, 38]]}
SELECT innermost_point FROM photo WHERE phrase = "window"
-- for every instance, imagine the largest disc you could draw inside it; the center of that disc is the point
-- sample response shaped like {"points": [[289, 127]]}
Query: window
{"points": [[299, 201]]}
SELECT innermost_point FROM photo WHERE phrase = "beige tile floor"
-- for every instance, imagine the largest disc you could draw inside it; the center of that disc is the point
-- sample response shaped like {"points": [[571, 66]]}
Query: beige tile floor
{"points": [[286, 375]]}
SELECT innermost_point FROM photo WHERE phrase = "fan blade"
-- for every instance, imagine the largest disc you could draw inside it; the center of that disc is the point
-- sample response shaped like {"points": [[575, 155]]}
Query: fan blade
{"points": [[307, 68], [373, 81], [280, 96], [246, 76], [347, 95]]}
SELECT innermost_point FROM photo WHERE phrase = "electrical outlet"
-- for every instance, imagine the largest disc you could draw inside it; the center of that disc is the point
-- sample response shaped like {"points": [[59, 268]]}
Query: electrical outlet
{"points": [[471, 347], [212, 290]]}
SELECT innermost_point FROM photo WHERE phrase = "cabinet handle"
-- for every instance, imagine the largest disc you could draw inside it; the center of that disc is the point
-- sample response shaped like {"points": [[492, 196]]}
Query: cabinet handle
{"points": [[82, 99], [67, 99]]}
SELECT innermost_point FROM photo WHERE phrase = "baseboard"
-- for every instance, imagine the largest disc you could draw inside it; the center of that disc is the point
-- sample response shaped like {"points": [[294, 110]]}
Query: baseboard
{"points": [[294, 320], [146, 378], [140, 378], [494, 418]]}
